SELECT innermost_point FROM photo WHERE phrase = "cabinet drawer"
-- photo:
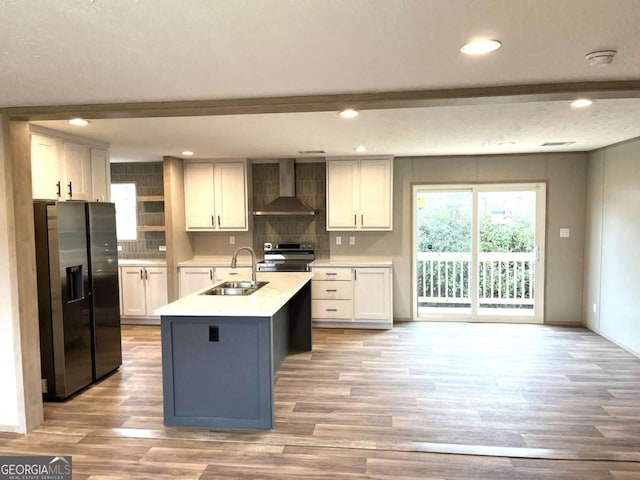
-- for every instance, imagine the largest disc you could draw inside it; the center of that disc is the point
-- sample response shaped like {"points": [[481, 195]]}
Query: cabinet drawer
{"points": [[342, 309], [320, 273], [228, 273], [326, 290]]}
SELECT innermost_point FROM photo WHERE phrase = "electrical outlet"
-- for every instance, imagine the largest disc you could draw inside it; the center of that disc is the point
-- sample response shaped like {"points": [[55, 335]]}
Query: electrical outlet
{"points": [[162, 248], [119, 248], [565, 233], [338, 240], [232, 239], [352, 240]]}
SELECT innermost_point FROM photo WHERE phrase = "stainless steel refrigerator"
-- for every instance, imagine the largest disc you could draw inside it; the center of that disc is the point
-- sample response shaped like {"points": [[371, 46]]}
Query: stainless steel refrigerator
{"points": [[78, 301]]}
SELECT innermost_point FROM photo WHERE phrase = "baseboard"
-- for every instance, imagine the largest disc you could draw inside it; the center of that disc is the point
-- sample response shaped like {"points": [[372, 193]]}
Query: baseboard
{"points": [[616, 342], [565, 324], [11, 429]]}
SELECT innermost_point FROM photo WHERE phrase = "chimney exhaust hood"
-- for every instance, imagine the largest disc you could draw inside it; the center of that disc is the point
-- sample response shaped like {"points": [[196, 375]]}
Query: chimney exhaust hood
{"points": [[286, 203]]}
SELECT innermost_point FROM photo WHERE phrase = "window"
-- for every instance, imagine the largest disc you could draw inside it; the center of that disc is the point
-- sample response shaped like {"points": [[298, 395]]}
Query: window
{"points": [[124, 196]]}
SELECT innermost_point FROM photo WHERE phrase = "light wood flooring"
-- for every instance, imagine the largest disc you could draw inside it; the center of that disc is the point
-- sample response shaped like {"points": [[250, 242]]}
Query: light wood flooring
{"points": [[421, 401]]}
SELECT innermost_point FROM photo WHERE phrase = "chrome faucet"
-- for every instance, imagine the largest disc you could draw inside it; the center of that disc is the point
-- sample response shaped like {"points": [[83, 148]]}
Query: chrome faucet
{"points": [[234, 260]]}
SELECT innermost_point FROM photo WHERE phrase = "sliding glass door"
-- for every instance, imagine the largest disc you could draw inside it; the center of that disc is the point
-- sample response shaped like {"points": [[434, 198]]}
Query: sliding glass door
{"points": [[478, 252]]}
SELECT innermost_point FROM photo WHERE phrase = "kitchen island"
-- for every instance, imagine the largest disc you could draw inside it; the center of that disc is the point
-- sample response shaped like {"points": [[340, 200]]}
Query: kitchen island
{"points": [[220, 353]]}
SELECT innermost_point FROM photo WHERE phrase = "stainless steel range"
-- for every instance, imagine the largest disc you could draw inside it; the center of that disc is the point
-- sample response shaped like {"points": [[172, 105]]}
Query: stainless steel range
{"points": [[286, 257]]}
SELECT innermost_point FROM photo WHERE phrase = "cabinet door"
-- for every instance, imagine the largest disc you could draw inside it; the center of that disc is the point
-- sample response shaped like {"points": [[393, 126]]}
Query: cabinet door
{"points": [[45, 171], [194, 278], [375, 195], [342, 195], [156, 288], [77, 169], [198, 196], [100, 175], [133, 296], [372, 294], [230, 187]]}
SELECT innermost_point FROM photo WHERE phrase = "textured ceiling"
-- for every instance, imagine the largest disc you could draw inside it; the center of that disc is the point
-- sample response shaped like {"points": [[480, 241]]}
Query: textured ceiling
{"points": [[105, 51]]}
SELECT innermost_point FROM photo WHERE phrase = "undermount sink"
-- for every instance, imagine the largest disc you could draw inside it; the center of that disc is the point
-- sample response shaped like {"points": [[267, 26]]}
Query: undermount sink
{"points": [[235, 288]]}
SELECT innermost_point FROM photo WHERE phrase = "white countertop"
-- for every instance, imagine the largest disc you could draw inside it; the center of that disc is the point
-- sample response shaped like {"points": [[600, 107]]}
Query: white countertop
{"points": [[142, 262], [354, 262], [265, 302], [244, 260]]}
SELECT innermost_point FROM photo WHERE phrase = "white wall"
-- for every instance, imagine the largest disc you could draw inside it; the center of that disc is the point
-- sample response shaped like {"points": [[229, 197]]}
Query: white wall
{"points": [[10, 371], [613, 253], [566, 176]]}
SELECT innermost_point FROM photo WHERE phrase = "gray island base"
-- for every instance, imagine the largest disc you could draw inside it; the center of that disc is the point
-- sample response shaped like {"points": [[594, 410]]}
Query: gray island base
{"points": [[218, 370]]}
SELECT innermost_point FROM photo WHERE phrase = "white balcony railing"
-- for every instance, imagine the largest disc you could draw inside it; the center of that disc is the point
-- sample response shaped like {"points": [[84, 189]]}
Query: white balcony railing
{"points": [[504, 279]]}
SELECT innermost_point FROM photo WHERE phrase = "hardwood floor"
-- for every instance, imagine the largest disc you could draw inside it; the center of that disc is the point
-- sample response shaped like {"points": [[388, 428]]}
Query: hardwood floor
{"points": [[424, 400]]}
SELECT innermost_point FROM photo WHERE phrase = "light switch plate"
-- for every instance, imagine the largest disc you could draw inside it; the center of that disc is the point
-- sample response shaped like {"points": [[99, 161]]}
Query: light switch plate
{"points": [[565, 233], [338, 240], [232, 239], [352, 240]]}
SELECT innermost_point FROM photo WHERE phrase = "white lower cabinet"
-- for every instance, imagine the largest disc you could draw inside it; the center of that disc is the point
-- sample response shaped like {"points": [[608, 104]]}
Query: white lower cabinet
{"points": [[352, 297], [372, 294], [194, 278], [227, 273], [144, 288]]}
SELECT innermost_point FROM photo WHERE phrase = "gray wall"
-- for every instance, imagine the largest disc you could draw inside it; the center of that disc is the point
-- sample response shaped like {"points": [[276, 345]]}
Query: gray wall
{"points": [[566, 175], [148, 178], [612, 256]]}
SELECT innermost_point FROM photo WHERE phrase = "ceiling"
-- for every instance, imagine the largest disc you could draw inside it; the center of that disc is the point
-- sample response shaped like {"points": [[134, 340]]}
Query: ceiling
{"points": [[103, 52]]}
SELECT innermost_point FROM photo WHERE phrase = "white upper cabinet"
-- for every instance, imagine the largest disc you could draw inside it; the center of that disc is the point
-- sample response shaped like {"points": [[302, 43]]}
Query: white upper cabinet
{"points": [[77, 166], [100, 175], [230, 188], [215, 196], [46, 171], [65, 168], [360, 194], [198, 196]]}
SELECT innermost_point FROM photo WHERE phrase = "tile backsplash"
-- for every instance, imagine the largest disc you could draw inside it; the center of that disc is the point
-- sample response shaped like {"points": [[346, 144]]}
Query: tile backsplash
{"points": [[310, 189], [149, 181]]}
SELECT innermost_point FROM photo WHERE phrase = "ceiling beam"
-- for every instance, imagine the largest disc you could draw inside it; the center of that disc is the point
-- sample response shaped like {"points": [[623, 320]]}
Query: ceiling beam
{"points": [[335, 102]]}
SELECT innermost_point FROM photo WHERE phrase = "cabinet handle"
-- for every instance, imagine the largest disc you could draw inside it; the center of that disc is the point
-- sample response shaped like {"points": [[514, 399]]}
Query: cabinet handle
{"points": [[58, 189], [70, 185], [218, 220], [233, 273], [362, 220], [355, 274], [331, 290], [331, 273], [141, 277], [210, 274], [332, 309], [213, 221], [355, 219]]}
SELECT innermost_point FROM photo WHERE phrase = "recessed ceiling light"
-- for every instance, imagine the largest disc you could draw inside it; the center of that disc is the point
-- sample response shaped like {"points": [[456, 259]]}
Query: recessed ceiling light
{"points": [[360, 149], [349, 113], [581, 103], [187, 153], [601, 57], [479, 47], [78, 122], [556, 144]]}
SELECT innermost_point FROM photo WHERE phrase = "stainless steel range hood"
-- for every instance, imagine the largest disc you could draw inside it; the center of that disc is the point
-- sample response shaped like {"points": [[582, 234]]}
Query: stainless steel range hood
{"points": [[286, 203]]}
